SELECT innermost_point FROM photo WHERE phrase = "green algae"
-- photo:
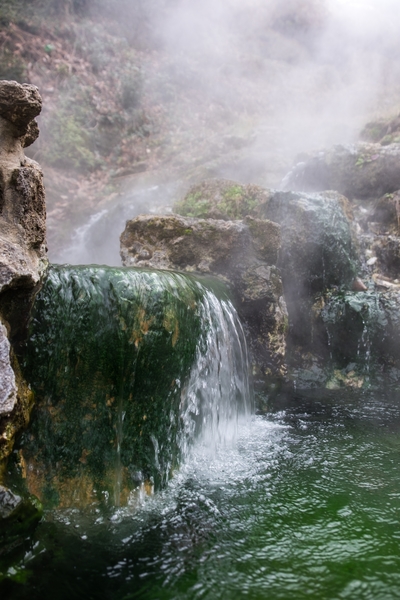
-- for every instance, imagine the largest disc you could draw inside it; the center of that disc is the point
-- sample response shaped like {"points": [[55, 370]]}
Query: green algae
{"points": [[108, 355]]}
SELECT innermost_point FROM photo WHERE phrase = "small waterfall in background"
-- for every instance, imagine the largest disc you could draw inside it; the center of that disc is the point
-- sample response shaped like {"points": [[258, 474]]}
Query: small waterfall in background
{"points": [[96, 240], [129, 368]]}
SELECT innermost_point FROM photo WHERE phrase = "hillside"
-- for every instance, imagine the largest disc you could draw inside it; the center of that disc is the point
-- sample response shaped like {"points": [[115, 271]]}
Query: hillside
{"points": [[139, 93]]}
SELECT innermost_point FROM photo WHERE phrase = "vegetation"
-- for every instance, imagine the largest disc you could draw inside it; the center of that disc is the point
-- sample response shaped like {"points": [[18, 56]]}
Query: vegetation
{"points": [[222, 199]]}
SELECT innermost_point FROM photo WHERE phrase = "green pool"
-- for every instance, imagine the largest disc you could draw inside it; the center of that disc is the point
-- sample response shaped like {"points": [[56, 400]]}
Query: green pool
{"points": [[304, 504]]}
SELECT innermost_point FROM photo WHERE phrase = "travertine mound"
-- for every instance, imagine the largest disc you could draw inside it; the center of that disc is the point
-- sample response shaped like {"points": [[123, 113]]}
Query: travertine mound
{"points": [[244, 253]]}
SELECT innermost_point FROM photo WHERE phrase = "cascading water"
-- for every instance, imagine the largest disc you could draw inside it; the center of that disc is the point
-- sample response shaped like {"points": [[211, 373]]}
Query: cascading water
{"points": [[218, 392], [129, 367]]}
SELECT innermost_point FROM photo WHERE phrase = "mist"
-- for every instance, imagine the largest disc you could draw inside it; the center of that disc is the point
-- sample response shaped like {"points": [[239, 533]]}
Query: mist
{"points": [[245, 87]]}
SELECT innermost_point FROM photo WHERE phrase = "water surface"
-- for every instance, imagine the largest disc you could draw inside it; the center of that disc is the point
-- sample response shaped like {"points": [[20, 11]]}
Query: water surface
{"points": [[305, 504]]}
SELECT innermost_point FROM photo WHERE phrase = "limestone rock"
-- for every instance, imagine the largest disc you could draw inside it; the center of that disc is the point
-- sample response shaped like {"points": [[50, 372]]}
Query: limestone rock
{"points": [[244, 253], [362, 327], [19, 105], [318, 249], [22, 246], [358, 171]]}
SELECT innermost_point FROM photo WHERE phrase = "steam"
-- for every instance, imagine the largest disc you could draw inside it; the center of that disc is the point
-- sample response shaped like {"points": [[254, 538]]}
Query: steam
{"points": [[246, 85]]}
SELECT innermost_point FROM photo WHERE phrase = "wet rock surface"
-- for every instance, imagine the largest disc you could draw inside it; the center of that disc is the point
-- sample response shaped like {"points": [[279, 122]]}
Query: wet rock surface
{"points": [[8, 387], [18, 515], [244, 253]]}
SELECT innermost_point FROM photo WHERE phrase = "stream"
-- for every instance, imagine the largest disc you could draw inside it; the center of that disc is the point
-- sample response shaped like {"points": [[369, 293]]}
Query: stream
{"points": [[304, 504]]}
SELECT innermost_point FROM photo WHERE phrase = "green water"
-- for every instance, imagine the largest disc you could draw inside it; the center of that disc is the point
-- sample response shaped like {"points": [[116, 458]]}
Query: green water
{"points": [[305, 504]]}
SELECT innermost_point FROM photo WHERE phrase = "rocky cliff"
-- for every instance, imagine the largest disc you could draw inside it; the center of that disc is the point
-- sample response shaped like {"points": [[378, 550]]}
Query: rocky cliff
{"points": [[22, 246]]}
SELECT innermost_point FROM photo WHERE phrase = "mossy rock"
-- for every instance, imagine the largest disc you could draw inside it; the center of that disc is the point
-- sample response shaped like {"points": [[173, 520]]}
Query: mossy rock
{"points": [[222, 199], [108, 354]]}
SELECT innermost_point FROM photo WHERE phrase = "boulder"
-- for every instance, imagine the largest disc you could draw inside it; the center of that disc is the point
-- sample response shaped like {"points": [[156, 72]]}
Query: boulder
{"points": [[317, 243], [318, 251], [244, 253], [362, 170]]}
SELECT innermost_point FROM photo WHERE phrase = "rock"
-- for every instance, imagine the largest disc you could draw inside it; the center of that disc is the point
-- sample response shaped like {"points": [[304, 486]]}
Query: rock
{"points": [[358, 285], [386, 212], [318, 252], [387, 250], [17, 517], [358, 171], [8, 388], [384, 131], [318, 249], [22, 246], [317, 245], [362, 328], [19, 105], [244, 253]]}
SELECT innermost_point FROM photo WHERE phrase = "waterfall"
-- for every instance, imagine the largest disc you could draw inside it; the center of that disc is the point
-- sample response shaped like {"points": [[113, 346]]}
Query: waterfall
{"points": [[218, 392], [129, 367]]}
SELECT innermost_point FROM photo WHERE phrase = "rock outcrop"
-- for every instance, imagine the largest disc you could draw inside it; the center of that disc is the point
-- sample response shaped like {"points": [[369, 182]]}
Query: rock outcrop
{"points": [[360, 170], [243, 253], [317, 250], [22, 245]]}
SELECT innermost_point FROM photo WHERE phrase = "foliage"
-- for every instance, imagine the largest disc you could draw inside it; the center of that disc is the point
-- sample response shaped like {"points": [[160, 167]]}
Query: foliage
{"points": [[220, 199], [12, 67], [68, 145]]}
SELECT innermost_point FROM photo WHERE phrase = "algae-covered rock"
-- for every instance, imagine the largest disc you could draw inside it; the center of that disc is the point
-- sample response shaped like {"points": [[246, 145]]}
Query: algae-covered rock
{"points": [[222, 199], [109, 356], [244, 253], [362, 170]]}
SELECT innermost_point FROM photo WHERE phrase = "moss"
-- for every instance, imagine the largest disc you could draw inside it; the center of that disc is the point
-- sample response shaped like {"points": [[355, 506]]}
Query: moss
{"points": [[222, 199], [105, 343], [193, 205]]}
